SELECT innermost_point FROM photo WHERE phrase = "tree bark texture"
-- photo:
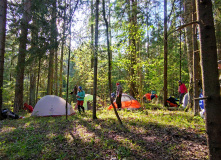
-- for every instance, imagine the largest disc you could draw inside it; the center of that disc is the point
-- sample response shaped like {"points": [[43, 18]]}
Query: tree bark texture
{"points": [[92, 34], [189, 43], [52, 50], [210, 80], [19, 86], [133, 46], [218, 27], [109, 65], [33, 70], [56, 70], [165, 53], [196, 62], [38, 79], [3, 11], [62, 52], [95, 60], [32, 95]]}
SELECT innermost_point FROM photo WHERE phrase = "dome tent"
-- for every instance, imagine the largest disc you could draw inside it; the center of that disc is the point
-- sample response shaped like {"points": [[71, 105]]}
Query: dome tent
{"points": [[128, 102], [51, 105], [87, 99]]}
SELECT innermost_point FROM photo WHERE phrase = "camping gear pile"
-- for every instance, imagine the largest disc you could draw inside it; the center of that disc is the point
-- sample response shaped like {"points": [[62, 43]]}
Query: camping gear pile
{"points": [[6, 113], [171, 102]]}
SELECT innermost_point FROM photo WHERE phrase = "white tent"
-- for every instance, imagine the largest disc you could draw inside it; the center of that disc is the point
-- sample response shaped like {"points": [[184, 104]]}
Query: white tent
{"points": [[52, 105], [185, 100]]}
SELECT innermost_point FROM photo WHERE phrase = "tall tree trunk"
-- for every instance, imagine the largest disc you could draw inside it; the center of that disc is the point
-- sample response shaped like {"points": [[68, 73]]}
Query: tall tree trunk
{"points": [[109, 30], [32, 95], [211, 88], [92, 34], [32, 89], [180, 44], [62, 51], [189, 43], [218, 27], [95, 60], [56, 69], [56, 57], [3, 11], [109, 64], [19, 86], [69, 53], [165, 52], [52, 50], [38, 79], [196, 62], [133, 46]]}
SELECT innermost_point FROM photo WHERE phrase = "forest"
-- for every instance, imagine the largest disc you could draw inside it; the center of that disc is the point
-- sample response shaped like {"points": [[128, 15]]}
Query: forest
{"points": [[48, 47]]}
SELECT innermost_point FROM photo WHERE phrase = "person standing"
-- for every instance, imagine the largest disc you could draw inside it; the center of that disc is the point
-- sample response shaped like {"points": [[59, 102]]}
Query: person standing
{"points": [[119, 95], [74, 93], [80, 99], [182, 91]]}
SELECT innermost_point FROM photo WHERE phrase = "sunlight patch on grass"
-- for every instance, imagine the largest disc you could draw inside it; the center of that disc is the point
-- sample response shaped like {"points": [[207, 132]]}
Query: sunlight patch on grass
{"points": [[50, 135], [26, 125], [84, 134], [69, 137], [7, 129]]}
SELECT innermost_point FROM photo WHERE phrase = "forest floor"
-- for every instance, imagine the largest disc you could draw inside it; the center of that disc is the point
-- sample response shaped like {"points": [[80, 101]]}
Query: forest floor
{"points": [[147, 134]]}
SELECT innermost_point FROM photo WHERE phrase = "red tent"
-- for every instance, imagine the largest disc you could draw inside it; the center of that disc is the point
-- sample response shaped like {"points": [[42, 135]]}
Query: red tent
{"points": [[128, 102]]}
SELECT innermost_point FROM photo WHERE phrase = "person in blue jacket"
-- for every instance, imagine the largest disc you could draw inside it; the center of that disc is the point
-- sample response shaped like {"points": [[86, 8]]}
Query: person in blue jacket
{"points": [[80, 99]]}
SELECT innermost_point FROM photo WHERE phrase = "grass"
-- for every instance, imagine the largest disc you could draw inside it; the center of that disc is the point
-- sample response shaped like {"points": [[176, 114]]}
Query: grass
{"points": [[160, 134]]}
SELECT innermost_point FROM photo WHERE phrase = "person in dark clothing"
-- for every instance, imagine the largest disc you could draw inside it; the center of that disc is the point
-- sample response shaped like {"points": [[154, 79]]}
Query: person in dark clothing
{"points": [[75, 90], [119, 95], [113, 96], [74, 93]]}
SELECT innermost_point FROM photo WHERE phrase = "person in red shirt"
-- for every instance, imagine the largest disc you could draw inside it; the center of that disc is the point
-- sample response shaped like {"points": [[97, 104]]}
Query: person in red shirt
{"points": [[29, 108], [182, 91]]}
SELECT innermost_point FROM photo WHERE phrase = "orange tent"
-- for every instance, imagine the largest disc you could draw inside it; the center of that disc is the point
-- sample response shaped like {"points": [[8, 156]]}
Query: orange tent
{"points": [[148, 96], [128, 102]]}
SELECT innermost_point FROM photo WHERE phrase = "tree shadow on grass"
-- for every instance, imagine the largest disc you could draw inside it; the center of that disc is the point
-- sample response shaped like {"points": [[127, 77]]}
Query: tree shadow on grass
{"points": [[155, 142], [56, 138]]}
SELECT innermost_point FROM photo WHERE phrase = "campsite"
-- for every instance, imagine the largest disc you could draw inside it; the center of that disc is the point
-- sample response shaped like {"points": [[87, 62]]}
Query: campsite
{"points": [[110, 79], [156, 135]]}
